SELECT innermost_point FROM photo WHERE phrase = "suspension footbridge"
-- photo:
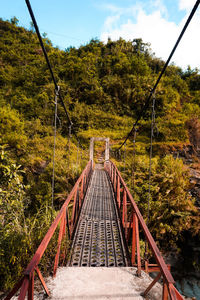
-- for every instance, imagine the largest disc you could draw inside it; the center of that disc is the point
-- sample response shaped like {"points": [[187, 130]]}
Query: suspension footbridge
{"points": [[105, 228]]}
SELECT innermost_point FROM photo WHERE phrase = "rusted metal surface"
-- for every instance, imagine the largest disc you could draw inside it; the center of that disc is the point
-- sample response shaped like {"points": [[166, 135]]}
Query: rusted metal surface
{"points": [[151, 285], [98, 239], [174, 293], [42, 281], [15, 289], [124, 214], [133, 252], [150, 268], [125, 198], [31, 287], [135, 224], [165, 291], [27, 283], [24, 288], [59, 244]]}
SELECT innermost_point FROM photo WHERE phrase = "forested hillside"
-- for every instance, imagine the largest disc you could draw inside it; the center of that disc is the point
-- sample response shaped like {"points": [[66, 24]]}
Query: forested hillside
{"points": [[104, 87]]}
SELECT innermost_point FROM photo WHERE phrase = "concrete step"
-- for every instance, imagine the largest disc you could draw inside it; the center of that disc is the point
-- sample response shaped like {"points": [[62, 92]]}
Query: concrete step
{"points": [[101, 283]]}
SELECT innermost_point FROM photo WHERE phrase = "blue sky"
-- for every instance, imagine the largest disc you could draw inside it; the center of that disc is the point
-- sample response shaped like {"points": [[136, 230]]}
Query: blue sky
{"points": [[72, 23]]}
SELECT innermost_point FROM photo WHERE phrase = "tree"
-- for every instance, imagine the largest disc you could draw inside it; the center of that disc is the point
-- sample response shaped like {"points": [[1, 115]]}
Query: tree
{"points": [[12, 128], [14, 21]]}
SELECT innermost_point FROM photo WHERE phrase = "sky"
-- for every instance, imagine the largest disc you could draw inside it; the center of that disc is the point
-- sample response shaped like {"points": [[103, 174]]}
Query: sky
{"points": [[75, 22]]}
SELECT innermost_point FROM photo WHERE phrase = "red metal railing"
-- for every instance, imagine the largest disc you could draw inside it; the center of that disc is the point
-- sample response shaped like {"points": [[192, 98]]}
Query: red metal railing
{"points": [[66, 221], [131, 220]]}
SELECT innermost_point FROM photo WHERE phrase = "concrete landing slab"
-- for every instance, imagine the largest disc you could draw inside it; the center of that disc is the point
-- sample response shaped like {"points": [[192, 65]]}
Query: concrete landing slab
{"points": [[101, 283]]}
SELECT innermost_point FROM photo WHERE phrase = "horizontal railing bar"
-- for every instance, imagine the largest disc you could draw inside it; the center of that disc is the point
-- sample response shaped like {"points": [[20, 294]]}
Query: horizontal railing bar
{"points": [[152, 267]]}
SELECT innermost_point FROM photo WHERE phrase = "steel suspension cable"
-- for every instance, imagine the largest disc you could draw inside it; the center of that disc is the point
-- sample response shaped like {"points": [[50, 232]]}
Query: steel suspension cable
{"points": [[77, 156], [153, 126], [144, 108], [48, 63], [54, 147], [124, 157], [150, 155], [69, 137], [81, 154], [134, 164]]}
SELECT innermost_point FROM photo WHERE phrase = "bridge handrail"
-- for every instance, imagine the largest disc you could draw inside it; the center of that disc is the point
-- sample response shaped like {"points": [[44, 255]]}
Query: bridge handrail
{"points": [[27, 282], [117, 181], [42, 247]]}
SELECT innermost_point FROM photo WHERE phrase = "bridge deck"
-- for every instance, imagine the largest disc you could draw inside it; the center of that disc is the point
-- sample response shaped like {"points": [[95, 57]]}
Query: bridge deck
{"points": [[98, 238]]}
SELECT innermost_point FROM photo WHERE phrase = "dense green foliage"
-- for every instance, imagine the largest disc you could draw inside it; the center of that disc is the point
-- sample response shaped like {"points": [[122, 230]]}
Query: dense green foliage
{"points": [[104, 87]]}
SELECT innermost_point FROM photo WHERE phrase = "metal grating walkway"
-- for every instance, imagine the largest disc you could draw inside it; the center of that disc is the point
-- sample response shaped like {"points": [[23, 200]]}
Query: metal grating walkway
{"points": [[98, 239]]}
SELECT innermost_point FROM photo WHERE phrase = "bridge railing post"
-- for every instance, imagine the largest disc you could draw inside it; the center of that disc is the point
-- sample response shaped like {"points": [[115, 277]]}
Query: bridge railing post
{"points": [[165, 291], [112, 174], [60, 237], [136, 244], [124, 213], [42, 281], [118, 192], [31, 287], [115, 179], [73, 213], [82, 189], [67, 223]]}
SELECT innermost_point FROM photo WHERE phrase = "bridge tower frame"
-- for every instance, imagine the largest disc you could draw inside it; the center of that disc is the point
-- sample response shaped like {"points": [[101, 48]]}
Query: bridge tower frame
{"points": [[107, 149]]}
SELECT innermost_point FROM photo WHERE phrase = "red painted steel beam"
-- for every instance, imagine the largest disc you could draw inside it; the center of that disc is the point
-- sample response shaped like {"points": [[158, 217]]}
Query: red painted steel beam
{"points": [[146, 266], [73, 212], [165, 291], [152, 268], [81, 194], [15, 289], [118, 193], [67, 223], [151, 285], [174, 294], [133, 241], [165, 272], [137, 245], [62, 223], [124, 217], [31, 287], [24, 288], [42, 281], [114, 180]]}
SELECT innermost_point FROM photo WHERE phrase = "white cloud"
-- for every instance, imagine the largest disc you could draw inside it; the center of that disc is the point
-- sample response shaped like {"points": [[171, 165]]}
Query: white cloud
{"points": [[110, 21], [186, 4], [156, 29], [159, 5]]}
